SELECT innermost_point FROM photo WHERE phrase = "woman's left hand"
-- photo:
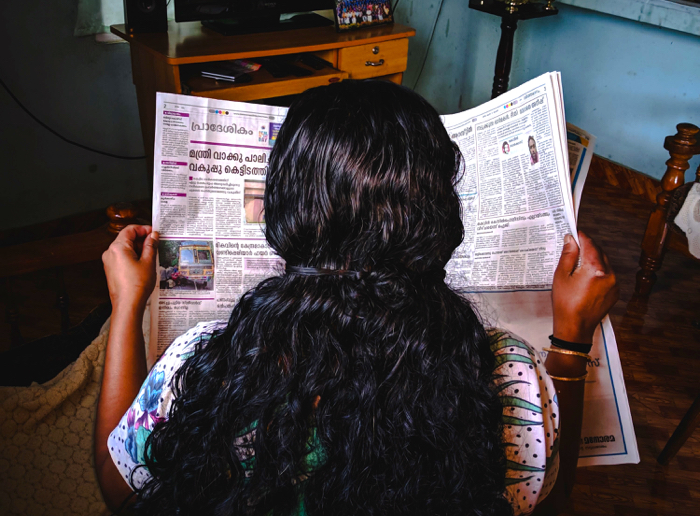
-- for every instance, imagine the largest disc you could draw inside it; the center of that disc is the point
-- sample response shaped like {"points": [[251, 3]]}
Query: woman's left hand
{"points": [[582, 295], [130, 267]]}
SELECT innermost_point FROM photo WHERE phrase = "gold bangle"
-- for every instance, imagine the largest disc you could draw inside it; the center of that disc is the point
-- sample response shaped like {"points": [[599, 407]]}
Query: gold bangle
{"points": [[568, 352], [568, 378]]}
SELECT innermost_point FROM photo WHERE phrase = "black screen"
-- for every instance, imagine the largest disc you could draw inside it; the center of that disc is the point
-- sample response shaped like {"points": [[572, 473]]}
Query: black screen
{"points": [[190, 10]]}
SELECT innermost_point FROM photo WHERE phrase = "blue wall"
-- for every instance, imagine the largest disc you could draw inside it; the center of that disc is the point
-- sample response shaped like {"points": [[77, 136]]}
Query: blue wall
{"points": [[627, 82], [81, 89]]}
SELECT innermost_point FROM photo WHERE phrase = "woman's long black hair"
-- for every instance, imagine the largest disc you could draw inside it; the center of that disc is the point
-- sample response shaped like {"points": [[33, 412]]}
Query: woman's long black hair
{"points": [[382, 376]]}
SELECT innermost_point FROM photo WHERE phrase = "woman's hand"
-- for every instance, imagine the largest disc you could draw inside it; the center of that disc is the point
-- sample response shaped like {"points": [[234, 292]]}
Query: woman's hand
{"points": [[130, 267], [582, 295]]}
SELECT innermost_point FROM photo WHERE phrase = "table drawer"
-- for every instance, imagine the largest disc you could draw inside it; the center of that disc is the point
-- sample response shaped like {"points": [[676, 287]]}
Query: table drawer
{"points": [[374, 60]]}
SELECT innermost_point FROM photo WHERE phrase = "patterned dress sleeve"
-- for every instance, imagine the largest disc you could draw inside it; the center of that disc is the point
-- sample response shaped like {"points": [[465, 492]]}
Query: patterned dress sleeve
{"points": [[127, 441], [530, 421]]}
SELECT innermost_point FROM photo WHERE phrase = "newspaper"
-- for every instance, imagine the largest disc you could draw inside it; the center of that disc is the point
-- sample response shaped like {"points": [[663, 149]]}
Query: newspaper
{"points": [[515, 192], [607, 433], [211, 158], [581, 147], [521, 188]]}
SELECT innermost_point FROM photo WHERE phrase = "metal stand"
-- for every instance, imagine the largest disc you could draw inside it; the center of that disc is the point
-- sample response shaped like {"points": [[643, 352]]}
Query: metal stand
{"points": [[510, 16]]}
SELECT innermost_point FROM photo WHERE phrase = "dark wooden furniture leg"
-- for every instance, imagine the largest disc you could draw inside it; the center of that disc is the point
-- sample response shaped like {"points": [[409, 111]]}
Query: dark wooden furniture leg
{"points": [[504, 57], [62, 300], [683, 431], [510, 15], [683, 146]]}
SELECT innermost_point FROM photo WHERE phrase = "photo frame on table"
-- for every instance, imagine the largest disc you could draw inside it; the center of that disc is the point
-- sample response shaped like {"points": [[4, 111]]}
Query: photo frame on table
{"points": [[356, 14]]}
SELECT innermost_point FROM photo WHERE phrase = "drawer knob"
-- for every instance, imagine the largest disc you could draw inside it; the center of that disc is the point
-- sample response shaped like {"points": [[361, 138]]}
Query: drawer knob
{"points": [[375, 63], [375, 50]]}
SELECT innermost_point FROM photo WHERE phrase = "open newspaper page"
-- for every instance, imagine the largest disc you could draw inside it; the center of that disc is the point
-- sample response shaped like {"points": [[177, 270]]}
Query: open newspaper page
{"points": [[516, 200], [524, 174], [209, 179], [210, 163]]}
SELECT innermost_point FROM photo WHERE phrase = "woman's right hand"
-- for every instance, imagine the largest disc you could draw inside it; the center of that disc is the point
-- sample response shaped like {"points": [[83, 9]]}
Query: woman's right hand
{"points": [[582, 295], [130, 267]]}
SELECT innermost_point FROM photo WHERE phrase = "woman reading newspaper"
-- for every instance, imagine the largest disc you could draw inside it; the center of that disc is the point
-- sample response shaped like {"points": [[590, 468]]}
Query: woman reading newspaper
{"points": [[357, 381]]}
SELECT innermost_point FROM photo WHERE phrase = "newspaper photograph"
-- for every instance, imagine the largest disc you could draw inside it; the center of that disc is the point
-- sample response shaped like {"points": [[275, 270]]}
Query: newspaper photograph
{"points": [[521, 162]]}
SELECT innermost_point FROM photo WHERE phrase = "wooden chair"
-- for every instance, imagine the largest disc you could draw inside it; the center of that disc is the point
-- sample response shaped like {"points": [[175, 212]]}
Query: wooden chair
{"points": [[683, 431], [56, 253], [682, 147]]}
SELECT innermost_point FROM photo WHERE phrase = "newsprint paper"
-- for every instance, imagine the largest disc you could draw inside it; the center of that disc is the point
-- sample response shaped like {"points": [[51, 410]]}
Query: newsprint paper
{"points": [[520, 187]]}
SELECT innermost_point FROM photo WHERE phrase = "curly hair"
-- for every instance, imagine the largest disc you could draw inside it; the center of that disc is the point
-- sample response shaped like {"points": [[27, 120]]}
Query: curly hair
{"points": [[389, 370]]}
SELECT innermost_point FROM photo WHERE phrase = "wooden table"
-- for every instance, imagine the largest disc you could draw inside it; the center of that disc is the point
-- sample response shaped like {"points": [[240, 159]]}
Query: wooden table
{"points": [[168, 62]]}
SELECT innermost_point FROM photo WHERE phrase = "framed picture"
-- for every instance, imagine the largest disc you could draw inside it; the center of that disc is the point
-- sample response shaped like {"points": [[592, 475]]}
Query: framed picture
{"points": [[355, 14]]}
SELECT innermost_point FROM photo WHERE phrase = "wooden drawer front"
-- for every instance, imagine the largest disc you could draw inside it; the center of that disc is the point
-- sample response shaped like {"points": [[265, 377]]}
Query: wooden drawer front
{"points": [[362, 62]]}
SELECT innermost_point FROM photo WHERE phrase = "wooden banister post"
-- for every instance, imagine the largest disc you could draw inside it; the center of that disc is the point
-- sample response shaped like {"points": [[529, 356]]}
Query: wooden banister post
{"points": [[120, 215], [682, 147]]}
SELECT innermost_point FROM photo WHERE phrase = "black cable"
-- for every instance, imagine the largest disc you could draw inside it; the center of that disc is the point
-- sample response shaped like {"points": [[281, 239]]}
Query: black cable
{"points": [[396, 5], [42, 124], [430, 42]]}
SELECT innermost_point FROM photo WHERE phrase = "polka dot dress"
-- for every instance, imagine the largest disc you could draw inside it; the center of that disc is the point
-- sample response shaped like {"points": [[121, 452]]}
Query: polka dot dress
{"points": [[128, 440], [530, 421]]}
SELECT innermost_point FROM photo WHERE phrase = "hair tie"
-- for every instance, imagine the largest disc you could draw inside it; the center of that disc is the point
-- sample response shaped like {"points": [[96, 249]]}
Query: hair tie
{"points": [[319, 271]]}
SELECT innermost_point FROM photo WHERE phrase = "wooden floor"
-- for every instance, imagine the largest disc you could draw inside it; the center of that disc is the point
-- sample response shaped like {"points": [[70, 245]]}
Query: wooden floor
{"points": [[659, 348], [660, 354]]}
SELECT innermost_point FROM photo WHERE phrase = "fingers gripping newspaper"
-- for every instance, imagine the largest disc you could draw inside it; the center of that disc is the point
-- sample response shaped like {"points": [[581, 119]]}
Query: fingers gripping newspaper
{"points": [[211, 158]]}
